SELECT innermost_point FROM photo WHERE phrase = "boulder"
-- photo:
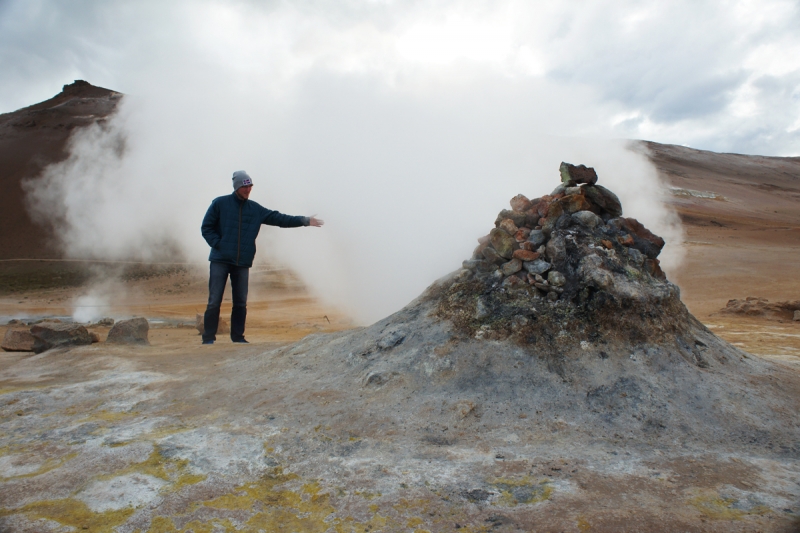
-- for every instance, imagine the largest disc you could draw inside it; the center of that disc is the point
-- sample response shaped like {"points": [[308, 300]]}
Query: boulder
{"points": [[133, 331], [604, 198], [573, 175], [49, 335], [18, 340]]}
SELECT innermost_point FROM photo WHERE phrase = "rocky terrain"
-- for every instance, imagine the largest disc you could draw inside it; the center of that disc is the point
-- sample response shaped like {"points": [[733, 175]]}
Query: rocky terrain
{"points": [[556, 382]]}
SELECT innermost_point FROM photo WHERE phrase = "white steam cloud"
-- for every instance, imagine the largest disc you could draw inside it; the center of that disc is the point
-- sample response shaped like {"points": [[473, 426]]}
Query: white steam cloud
{"points": [[408, 157]]}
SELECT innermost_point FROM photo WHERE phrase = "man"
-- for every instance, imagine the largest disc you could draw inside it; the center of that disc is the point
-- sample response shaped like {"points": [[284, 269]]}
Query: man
{"points": [[230, 227]]}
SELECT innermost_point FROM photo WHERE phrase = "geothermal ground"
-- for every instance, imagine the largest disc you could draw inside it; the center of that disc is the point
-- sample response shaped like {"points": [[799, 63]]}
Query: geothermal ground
{"points": [[320, 426], [410, 425]]}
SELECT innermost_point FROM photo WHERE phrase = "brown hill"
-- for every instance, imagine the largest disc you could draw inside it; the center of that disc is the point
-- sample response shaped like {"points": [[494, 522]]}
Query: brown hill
{"points": [[32, 138]]}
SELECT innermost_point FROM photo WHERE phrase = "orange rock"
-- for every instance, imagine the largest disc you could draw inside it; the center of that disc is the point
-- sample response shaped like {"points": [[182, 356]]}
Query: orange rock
{"points": [[607, 244], [520, 203], [522, 234], [525, 255], [627, 240], [574, 203], [509, 226]]}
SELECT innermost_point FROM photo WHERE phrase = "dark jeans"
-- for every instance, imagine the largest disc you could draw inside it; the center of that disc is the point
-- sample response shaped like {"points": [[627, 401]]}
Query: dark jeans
{"points": [[217, 279]]}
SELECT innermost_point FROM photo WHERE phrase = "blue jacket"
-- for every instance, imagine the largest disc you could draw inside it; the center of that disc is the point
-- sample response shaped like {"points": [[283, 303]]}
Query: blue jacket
{"points": [[231, 226]]}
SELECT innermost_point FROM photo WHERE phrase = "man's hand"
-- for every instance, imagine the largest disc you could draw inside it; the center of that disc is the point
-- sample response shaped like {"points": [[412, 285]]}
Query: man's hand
{"points": [[314, 221]]}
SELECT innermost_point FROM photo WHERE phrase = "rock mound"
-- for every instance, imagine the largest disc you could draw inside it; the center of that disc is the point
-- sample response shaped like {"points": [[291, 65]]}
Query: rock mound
{"points": [[18, 339], [561, 316]]}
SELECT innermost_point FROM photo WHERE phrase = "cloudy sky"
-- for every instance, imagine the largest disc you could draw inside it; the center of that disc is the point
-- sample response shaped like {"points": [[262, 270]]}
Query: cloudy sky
{"points": [[721, 75], [405, 125]]}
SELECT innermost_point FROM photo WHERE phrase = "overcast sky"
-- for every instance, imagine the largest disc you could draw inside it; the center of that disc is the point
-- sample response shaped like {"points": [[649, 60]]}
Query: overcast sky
{"points": [[722, 75]]}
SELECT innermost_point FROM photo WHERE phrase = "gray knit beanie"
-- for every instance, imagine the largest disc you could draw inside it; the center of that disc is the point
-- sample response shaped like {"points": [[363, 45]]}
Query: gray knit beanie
{"points": [[241, 179]]}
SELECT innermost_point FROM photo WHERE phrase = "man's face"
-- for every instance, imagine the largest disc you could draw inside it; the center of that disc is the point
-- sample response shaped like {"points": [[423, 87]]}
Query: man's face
{"points": [[244, 192]]}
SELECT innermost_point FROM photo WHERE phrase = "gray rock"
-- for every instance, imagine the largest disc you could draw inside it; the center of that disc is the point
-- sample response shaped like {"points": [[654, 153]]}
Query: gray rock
{"points": [[49, 335], [636, 257], [492, 257], [17, 339], [588, 219], [16, 322], [481, 310], [572, 190], [556, 249], [592, 272], [556, 279], [537, 238], [561, 189], [133, 331], [552, 296], [516, 217], [108, 321], [512, 267], [540, 266], [604, 198]]}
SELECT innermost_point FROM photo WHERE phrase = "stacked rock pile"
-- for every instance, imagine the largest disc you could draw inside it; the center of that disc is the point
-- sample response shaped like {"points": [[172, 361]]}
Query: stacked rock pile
{"points": [[566, 265], [529, 242]]}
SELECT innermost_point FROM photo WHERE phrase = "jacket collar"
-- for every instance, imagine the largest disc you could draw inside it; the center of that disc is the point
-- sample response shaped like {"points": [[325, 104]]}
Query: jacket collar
{"points": [[236, 197]]}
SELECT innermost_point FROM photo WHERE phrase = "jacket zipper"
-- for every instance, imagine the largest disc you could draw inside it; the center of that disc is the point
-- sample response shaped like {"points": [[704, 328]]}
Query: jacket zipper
{"points": [[239, 240]]}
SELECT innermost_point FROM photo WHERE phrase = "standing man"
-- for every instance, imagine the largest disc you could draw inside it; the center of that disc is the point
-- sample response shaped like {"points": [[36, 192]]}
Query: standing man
{"points": [[230, 227]]}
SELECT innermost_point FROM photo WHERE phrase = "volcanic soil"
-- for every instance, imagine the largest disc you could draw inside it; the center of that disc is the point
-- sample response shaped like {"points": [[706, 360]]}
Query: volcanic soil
{"points": [[289, 434]]}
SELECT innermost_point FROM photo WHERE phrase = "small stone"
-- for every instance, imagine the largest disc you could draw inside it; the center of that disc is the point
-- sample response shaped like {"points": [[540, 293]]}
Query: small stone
{"points": [[133, 331], [559, 191], [796, 315], [512, 267], [492, 257], [653, 268], [483, 240], [49, 335], [539, 266], [569, 191], [543, 205], [520, 203], [627, 240], [588, 219], [636, 257], [574, 203], [18, 339], [556, 279], [15, 322], [509, 226], [557, 248], [106, 322], [477, 253], [572, 174], [522, 234], [481, 310], [517, 218], [512, 282], [607, 244], [537, 238], [525, 255], [552, 296], [526, 246], [592, 272], [497, 275], [503, 242], [471, 264], [541, 250]]}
